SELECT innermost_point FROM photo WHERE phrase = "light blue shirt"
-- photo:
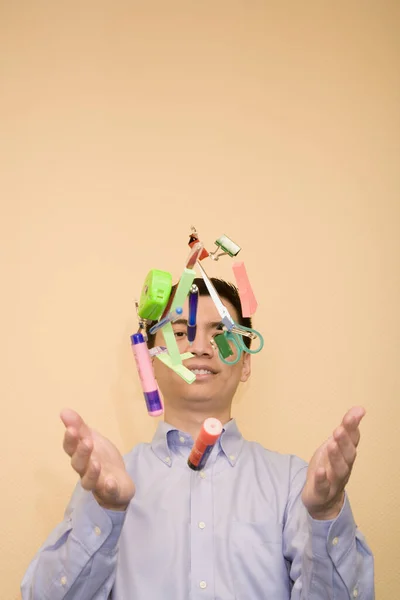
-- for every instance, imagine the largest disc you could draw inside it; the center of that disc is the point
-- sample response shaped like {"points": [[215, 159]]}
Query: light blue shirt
{"points": [[235, 531]]}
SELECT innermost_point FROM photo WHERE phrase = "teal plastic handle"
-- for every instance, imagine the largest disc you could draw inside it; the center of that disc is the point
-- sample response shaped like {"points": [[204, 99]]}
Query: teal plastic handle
{"points": [[255, 333], [239, 344]]}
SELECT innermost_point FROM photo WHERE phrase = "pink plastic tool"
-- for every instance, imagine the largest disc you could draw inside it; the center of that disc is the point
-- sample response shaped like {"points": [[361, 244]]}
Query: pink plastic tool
{"points": [[247, 297], [150, 388]]}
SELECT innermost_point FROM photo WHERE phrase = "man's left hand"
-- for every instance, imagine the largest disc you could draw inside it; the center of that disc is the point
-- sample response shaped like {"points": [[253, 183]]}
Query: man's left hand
{"points": [[330, 467]]}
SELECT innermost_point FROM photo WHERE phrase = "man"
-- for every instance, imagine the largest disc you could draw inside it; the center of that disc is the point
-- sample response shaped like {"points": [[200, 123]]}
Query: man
{"points": [[253, 525]]}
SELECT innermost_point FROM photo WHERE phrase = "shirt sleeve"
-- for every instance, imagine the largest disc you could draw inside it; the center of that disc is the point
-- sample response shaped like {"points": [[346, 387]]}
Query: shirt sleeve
{"points": [[78, 560], [327, 560]]}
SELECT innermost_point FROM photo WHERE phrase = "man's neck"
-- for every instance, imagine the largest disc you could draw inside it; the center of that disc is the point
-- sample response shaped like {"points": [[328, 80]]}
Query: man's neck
{"points": [[191, 421]]}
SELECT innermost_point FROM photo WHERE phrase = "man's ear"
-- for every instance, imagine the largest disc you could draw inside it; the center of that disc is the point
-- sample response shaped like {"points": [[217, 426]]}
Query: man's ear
{"points": [[246, 367]]}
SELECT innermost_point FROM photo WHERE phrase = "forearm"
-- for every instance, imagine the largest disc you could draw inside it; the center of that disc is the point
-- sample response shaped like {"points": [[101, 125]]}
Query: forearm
{"points": [[336, 563], [86, 543]]}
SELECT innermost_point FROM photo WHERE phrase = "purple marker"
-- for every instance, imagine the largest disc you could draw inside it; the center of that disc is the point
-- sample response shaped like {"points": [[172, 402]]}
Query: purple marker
{"points": [[193, 300], [146, 375]]}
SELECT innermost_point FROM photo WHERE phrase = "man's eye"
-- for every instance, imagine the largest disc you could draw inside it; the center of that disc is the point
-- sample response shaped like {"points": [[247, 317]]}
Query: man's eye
{"points": [[218, 330], [179, 334]]}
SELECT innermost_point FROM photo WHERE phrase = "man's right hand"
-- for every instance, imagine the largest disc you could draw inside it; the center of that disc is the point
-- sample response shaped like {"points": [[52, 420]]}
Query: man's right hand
{"points": [[98, 462]]}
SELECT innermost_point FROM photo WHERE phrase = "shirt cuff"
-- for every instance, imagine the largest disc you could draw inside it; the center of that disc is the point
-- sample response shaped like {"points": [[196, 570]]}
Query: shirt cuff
{"points": [[335, 537], [95, 527]]}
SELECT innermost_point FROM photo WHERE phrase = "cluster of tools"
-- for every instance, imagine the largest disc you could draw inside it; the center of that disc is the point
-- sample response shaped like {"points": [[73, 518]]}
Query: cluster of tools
{"points": [[162, 302]]}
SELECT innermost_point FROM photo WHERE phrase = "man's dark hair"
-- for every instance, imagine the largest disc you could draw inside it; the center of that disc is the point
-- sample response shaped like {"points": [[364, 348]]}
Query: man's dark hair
{"points": [[227, 291]]}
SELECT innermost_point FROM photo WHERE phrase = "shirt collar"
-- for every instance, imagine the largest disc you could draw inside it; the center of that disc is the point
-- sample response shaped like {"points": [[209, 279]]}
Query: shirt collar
{"points": [[230, 441]]}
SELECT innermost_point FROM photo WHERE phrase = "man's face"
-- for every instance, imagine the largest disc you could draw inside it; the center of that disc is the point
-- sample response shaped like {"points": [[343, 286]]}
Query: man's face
{"points": [[216, 382]]}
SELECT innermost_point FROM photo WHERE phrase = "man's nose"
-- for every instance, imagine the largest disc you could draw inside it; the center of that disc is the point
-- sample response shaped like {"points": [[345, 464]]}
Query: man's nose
{"points": [[201, 346]]}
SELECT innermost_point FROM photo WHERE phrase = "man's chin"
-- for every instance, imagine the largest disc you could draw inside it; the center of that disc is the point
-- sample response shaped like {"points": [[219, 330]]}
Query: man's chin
{"points": [[198, 392]]}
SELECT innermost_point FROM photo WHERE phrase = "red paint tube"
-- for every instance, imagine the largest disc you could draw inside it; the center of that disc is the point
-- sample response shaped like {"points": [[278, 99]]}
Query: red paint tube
{"points": [[208, 435]]}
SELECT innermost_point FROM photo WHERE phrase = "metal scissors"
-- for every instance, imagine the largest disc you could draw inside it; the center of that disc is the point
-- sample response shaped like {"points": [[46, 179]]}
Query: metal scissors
{"points": [[226, 318], [234, 332]]}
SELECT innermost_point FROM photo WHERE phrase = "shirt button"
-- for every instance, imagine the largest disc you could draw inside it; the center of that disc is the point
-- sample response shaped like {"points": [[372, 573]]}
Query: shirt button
{"points": [[167, 460], [202, 525], [203, 585], [232, 456], [335, 541], [181, 439], [63, 580], [97, 530], [355, 593], [202, 474]]}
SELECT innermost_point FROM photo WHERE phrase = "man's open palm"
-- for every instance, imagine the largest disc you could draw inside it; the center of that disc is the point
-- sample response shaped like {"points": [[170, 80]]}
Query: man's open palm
{"points": [[98, 462], [330, 468]]}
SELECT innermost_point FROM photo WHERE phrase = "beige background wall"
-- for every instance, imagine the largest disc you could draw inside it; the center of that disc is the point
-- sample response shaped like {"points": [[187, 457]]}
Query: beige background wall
{"points": [[122, 123]]}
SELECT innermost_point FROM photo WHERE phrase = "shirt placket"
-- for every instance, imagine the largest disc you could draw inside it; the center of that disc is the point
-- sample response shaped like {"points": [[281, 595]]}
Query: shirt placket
{"points": [[201, 532]]}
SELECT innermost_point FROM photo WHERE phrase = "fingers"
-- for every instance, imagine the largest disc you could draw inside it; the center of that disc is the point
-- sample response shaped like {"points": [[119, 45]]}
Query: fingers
{"points": [[351, 422], [109, 494], [78, 444], [111, 487], [70, 441], [342, 448], [341, 452], [331, 466], [91, 476], [76, 430], [345, 444], [340, 469], [70, 418], [321, 482], [81, 457]]}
